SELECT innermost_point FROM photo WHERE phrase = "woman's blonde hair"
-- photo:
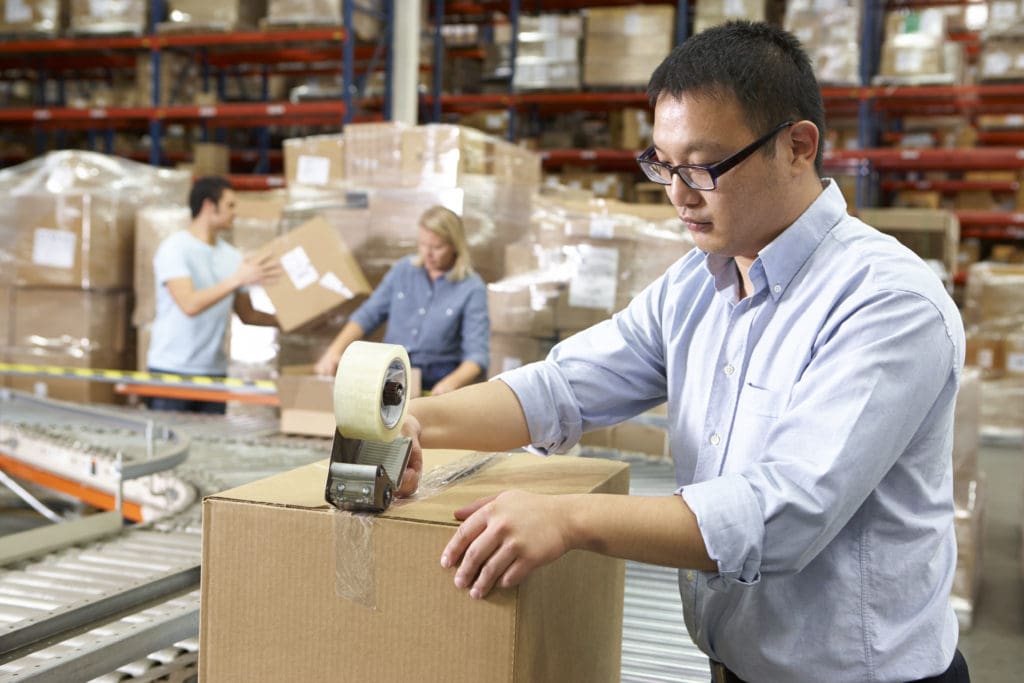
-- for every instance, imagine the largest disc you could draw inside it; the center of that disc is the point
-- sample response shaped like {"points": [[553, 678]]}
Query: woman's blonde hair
{"points": [[447, 225]]}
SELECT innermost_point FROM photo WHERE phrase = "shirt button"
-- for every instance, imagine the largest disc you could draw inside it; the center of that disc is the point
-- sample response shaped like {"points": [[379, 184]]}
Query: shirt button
{"points": [[715, 438], [777, 288], [728, 369], [401, 295], [423, 311]]}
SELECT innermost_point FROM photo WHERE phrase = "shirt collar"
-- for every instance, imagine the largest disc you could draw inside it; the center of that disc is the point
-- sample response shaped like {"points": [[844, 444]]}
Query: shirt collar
{"points": [[788, 252]]}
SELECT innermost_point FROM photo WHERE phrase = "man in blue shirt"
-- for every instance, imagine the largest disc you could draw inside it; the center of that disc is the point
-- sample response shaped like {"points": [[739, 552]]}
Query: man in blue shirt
{"points": [[810, 365], [200, 280]]}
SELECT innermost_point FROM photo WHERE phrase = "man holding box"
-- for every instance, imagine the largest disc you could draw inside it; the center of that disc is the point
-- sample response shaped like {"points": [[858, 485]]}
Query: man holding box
{"points": [[810, 365], [200, 280]]}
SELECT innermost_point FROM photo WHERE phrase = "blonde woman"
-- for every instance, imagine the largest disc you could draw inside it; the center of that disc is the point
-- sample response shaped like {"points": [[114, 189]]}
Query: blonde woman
{"points": [[435, 306]]}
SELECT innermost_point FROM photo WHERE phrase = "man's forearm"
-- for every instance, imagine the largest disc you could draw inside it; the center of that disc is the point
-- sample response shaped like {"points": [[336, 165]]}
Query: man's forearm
{"points": [[483, 417], [197, 301], [464, 374], [656, 530]]}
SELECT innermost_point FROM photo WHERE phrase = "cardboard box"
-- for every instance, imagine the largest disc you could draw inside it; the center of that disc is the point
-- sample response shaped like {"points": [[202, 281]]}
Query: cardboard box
{"points": [[210, 158], [307, 400], [271, 610], [30, 17], [321, 274], [316, 162], [153, 224], [70, 320], [214, 14], [509, 351], [108, 16]]}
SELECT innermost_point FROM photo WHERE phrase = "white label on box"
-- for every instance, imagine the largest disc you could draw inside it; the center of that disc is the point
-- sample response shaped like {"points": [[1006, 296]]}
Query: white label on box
{"points": [[312, 170], [300, 269], [17, 12], [54, 248], [593, 285], [985, 358], [734, 8], [333, 282], [632, 24], [996, 63], [260, 300], [1015, 363], [511, 363], [909, 61], [602, 228]]}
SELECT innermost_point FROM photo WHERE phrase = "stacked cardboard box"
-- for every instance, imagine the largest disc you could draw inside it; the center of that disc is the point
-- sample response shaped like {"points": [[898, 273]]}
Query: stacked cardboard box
{"points": [[830, 32], [623, 45], [582, 262], [70, 229], [108, 16], [714, 12], [366, 19], [916, 50], [217, 15], [548, 52], [994, 320], [1001, 60], [31, 17]]}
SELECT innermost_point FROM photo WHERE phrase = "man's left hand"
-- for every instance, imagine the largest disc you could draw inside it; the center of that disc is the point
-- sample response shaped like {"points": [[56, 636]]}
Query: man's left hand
{"points": [[504, 538]]}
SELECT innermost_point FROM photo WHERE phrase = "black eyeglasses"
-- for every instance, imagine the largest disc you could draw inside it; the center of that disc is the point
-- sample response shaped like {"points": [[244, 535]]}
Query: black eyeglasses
{"points": [[701, 176]]}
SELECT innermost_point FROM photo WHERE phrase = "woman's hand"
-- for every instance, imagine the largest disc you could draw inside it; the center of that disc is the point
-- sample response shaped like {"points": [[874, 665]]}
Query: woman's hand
{"points": [[327, 365]]}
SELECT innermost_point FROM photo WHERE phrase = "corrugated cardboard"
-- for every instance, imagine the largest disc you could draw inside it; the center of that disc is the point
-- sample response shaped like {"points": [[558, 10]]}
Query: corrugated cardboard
{"points": [[270, 611], [307, 400], [70, 320], [930, 233], [210, 158], [321, 274], [316, 162]]}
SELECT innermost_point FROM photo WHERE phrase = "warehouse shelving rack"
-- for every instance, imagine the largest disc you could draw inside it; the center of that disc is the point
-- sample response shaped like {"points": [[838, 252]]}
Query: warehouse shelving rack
{"points": [[317, 49]]}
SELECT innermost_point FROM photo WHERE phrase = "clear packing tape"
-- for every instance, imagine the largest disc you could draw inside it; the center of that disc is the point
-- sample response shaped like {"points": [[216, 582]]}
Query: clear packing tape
{"points": [[355, 565]]}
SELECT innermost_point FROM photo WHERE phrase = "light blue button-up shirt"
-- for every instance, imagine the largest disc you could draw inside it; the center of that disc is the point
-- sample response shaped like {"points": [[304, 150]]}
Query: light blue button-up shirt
{"points": [[437, 321], [811, 427]]}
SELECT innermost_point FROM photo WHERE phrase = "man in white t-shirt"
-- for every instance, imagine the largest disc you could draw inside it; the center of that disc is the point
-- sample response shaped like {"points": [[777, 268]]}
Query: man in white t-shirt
{"points": [[200, 280]]}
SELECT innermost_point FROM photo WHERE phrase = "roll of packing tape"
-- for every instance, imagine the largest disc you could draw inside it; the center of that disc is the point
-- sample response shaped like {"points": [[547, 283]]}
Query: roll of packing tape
{"points": [[370, 391]]}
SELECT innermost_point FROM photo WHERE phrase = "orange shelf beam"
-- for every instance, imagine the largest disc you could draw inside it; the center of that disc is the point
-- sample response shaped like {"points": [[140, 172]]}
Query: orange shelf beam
{"points": [[86, 494]]}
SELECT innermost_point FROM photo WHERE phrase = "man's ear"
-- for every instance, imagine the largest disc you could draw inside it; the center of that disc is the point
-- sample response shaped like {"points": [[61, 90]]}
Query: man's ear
{"points": [[803, 136]]}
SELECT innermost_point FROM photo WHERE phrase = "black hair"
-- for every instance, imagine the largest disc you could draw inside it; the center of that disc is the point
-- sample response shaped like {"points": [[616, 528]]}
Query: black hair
{"points": [[209, 187], [763, 66]]}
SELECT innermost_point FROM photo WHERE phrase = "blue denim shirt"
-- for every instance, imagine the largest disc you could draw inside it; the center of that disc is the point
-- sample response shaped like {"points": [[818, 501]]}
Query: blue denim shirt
{"points": [[811, 427], [437, 321]]}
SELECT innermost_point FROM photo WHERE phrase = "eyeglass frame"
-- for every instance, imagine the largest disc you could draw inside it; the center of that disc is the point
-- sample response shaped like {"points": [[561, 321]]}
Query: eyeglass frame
{"points": [[716, 170]]}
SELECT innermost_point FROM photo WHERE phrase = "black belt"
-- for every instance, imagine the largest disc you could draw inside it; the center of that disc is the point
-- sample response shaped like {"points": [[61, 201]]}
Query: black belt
{"points": [[956, 673]]}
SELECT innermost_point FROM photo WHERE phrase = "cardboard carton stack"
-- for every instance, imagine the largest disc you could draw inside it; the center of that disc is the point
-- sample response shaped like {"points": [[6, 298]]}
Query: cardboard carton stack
{"points": [[548, 52], [366, 19], [623, 45], [69, 232], [97, 17], [583, 262], [324, 575], [216, 15], [830, 32], [916, 50], [932, 234], [994, 320], [31, 17], [714, 12]]}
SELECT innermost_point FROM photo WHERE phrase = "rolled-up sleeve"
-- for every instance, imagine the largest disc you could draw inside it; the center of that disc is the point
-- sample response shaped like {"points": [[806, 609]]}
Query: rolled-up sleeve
{"points": [[476, 327]]}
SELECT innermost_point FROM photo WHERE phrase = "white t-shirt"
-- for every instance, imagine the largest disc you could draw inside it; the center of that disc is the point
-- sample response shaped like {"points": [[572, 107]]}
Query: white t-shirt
{"points": [[180, 343]]}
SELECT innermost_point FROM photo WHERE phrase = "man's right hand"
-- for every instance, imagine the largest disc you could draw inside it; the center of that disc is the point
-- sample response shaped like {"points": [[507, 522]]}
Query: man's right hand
{"points": [[258, 270]]}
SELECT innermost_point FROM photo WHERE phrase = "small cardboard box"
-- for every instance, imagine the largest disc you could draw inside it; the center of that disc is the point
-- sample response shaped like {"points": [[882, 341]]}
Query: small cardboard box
{"points": [[317, 161], [307, 400], [321, 274], [211, 158], [271, 610]]}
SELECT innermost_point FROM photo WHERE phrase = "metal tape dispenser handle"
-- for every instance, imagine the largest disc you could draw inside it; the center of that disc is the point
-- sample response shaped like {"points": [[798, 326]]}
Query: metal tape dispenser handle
{"points": [[369, 455]]}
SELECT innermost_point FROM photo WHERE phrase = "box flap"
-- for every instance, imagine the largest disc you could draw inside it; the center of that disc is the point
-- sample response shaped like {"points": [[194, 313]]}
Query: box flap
{"points": [[304, 487]]}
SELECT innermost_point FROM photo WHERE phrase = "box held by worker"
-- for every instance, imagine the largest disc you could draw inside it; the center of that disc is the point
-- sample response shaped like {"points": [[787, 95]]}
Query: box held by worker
{"points": [[271, 608]]}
